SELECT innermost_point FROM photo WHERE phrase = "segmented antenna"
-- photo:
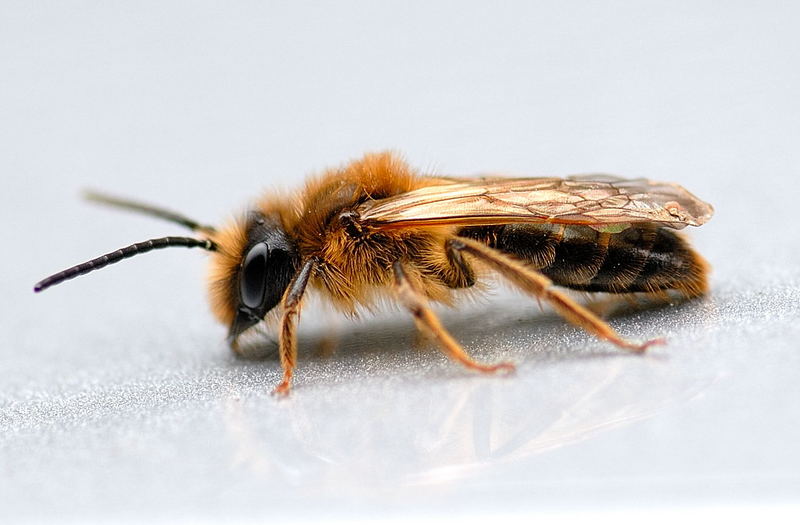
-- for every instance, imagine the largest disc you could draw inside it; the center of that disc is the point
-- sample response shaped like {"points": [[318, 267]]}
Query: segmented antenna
{"points": [[123, 253], [147, 209]]}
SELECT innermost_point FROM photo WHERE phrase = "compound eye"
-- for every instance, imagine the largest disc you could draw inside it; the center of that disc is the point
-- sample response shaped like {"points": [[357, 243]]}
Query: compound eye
{"points": [[252, 285]]}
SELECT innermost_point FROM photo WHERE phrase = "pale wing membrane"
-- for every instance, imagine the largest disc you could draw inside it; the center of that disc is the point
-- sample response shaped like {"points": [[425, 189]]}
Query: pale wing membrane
{"points": [[604, 202]]}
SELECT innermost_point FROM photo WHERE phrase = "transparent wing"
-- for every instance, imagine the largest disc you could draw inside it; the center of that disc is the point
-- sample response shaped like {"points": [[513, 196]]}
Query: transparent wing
{"points": [[604, 202]]}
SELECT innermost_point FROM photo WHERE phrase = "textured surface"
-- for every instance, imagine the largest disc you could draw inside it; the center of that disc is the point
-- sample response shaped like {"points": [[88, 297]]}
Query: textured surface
{"points": [[118, 397]]}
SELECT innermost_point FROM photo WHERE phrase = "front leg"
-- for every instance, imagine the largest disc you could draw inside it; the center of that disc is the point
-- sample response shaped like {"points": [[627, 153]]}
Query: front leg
{"points": [[287, 343]]}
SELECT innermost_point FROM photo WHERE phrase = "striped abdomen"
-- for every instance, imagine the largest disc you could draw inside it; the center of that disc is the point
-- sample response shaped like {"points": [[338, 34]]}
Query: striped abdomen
{"points": [[645, 258]]}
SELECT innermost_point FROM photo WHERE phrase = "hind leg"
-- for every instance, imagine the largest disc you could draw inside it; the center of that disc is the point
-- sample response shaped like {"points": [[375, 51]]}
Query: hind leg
{"points": [[540, 287]]}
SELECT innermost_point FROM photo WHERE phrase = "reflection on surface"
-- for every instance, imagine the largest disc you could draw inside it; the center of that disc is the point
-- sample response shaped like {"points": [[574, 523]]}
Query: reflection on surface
{"points": [[366, 414], [195, 426]]}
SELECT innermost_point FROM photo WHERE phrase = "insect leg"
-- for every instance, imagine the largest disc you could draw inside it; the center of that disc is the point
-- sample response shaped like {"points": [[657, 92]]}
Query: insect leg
{"points": [[287, 343], [460, 274], [539, 286], [426, 320]]}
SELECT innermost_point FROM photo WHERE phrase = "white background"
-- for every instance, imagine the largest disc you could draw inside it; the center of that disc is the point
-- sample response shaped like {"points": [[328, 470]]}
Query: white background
{"points": [[118, 397]]}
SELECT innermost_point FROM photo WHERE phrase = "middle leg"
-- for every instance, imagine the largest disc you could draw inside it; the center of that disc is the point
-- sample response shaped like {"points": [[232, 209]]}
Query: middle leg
{"points": [[426, 320]]}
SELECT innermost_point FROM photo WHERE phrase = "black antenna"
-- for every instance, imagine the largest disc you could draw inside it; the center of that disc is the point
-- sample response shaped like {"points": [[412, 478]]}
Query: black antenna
{"points": [[147, 209], [123, 253]]}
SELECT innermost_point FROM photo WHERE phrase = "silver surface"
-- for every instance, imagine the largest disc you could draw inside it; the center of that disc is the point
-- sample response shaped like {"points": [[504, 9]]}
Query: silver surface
{"points": [[118, 398]]}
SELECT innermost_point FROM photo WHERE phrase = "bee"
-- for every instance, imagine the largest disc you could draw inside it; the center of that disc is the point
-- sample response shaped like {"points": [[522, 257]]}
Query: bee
{"points": [[376, 228]]}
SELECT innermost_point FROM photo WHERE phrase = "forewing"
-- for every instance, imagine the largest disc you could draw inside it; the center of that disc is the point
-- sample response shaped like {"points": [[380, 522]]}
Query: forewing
{"points": [[604, 202]]}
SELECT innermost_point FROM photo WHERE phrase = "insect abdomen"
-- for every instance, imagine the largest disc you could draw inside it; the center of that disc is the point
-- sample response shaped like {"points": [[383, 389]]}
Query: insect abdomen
{"points": [[639, 259]]}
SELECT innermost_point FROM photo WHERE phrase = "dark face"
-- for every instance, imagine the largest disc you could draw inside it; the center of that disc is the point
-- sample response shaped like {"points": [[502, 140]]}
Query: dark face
{"points": [[268, 265]]}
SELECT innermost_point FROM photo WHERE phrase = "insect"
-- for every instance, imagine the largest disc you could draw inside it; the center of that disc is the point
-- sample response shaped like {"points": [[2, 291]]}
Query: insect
{"points": [[376, 227]]}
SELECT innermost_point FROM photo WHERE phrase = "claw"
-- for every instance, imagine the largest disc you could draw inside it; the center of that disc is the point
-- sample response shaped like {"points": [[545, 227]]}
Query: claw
{"points": [[283, 389], [505, 368], [641, 348]]}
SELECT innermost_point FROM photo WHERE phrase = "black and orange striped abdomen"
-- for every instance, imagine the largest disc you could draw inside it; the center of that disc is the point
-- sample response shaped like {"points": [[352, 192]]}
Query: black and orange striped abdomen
{"points": [[644, 258]]}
